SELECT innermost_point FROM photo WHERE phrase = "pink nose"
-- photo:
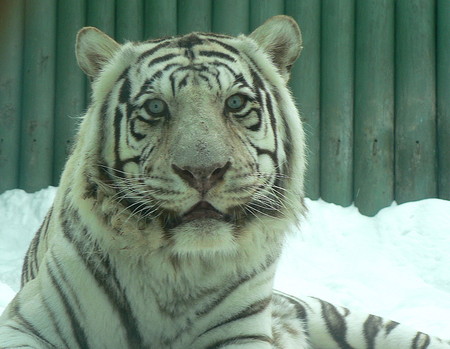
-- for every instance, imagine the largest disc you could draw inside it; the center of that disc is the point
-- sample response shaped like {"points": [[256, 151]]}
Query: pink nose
{"points": [[202, 178]]}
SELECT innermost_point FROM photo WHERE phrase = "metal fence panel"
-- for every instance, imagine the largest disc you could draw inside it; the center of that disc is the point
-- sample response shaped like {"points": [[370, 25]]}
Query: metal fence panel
{"points": [[373, 86], [415, 98], [70, 82], [260, 10], [129, 20], [11, 35], [374, 105], [194, 15], [160, 18], [305, 82], [231, 16], [337, 78], [102, 14], [443, 96], [38, 95]]}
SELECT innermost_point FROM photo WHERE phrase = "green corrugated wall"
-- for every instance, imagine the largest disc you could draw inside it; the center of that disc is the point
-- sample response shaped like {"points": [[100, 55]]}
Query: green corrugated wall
{"points": [[373, 86]]}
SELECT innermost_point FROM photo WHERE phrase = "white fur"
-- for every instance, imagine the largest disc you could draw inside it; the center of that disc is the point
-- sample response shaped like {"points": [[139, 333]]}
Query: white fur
{"points": [[174, 287]]}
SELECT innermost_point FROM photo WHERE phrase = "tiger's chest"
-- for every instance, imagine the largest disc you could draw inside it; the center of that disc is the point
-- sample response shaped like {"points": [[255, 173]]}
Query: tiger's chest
{"points": [[125, 302]]}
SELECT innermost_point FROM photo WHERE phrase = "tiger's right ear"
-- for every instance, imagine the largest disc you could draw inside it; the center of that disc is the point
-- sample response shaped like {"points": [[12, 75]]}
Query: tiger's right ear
{"points": [[93, 50], [280, 37]]}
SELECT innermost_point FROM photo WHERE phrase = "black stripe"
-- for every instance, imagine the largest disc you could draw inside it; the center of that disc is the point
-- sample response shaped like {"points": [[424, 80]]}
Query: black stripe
{"points": [[421, 341], [117, 133], [78, 331], [189, 41], [216, 74], [300, 309], [27, 346], [169, 66], [30, 268], [153, 50], [258, 88], [149, 82], [125, 91], [146, 86], [200, 68], [65, 281], [28, 326], [256, 127], [55, 322], [102, 127], [336, 324], [104, 108], [135, 159], [226, 46], [233, 286], [207, 80], [217, 54], [224, 294], [247, 110], [252, 63], [162, 59], [261, 151], [252, 309], [183, 82], [215, 35], [371, 329], [99, 265], [288, 151], [226, 66], [390, 326], [241, 82], [24, 276], [238, 339], [147, 121], [302, 313], [273, 123], [192, 67], [172, 83], [138, 136]]}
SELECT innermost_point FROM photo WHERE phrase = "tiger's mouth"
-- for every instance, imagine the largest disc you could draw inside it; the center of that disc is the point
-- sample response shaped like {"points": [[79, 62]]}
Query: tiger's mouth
{"points": [[203, 209]]}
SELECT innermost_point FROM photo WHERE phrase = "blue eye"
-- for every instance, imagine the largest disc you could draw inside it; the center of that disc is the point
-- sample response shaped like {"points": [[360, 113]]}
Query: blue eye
{"points": [[156, 106], [236, 102]]}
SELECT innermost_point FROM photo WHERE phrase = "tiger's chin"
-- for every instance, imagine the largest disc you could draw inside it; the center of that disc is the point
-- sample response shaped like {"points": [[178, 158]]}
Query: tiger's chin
{"points": [[204, 236]]}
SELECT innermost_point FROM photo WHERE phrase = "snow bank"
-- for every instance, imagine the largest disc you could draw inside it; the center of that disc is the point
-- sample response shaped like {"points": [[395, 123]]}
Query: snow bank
{"points": [[394, 264]]}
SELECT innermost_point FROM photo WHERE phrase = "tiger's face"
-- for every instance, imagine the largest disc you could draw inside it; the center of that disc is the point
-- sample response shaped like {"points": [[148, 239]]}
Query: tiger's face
{"points": [[193, 132]]}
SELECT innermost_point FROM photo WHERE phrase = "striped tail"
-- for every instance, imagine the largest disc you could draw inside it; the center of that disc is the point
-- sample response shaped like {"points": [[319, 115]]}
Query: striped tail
{"points": [[331, 327]]}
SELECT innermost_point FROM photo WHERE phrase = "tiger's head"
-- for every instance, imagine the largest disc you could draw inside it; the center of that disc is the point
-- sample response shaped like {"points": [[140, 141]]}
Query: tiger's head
{"points": [[193, 141]]}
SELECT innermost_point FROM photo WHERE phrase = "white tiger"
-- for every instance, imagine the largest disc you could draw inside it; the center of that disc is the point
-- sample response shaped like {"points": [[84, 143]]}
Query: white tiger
{"points": [[172, 209]]}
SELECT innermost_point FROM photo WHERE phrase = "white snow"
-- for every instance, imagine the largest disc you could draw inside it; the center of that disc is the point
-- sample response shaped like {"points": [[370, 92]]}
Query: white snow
{"points": [[394, 264]]}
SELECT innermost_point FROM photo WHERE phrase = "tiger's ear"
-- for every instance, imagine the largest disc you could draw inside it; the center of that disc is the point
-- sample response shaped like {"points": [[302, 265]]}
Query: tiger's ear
{"points": [[281, 38], [93, 50]]}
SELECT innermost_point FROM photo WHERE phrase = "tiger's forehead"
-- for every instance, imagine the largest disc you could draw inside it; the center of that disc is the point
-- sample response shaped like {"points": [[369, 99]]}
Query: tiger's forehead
{"points": [[192, 45], [195, 47], [205, 59]]}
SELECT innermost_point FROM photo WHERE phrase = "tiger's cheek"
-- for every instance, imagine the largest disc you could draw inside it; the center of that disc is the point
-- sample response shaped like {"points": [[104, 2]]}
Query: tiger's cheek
{"points": [[131, 167], [266, 164]]}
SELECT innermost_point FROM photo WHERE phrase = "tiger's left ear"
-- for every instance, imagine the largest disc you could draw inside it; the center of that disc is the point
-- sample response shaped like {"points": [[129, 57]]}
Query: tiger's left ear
{"points": [[93, 50], [281, 38]]}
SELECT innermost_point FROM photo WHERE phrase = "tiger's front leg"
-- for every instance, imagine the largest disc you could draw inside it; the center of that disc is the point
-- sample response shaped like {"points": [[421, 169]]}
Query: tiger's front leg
{"points": [[13, 335], [19, 329]]}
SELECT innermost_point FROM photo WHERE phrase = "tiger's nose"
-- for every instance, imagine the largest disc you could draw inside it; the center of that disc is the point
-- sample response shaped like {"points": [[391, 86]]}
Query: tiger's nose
{"points": [[202, 178]]}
